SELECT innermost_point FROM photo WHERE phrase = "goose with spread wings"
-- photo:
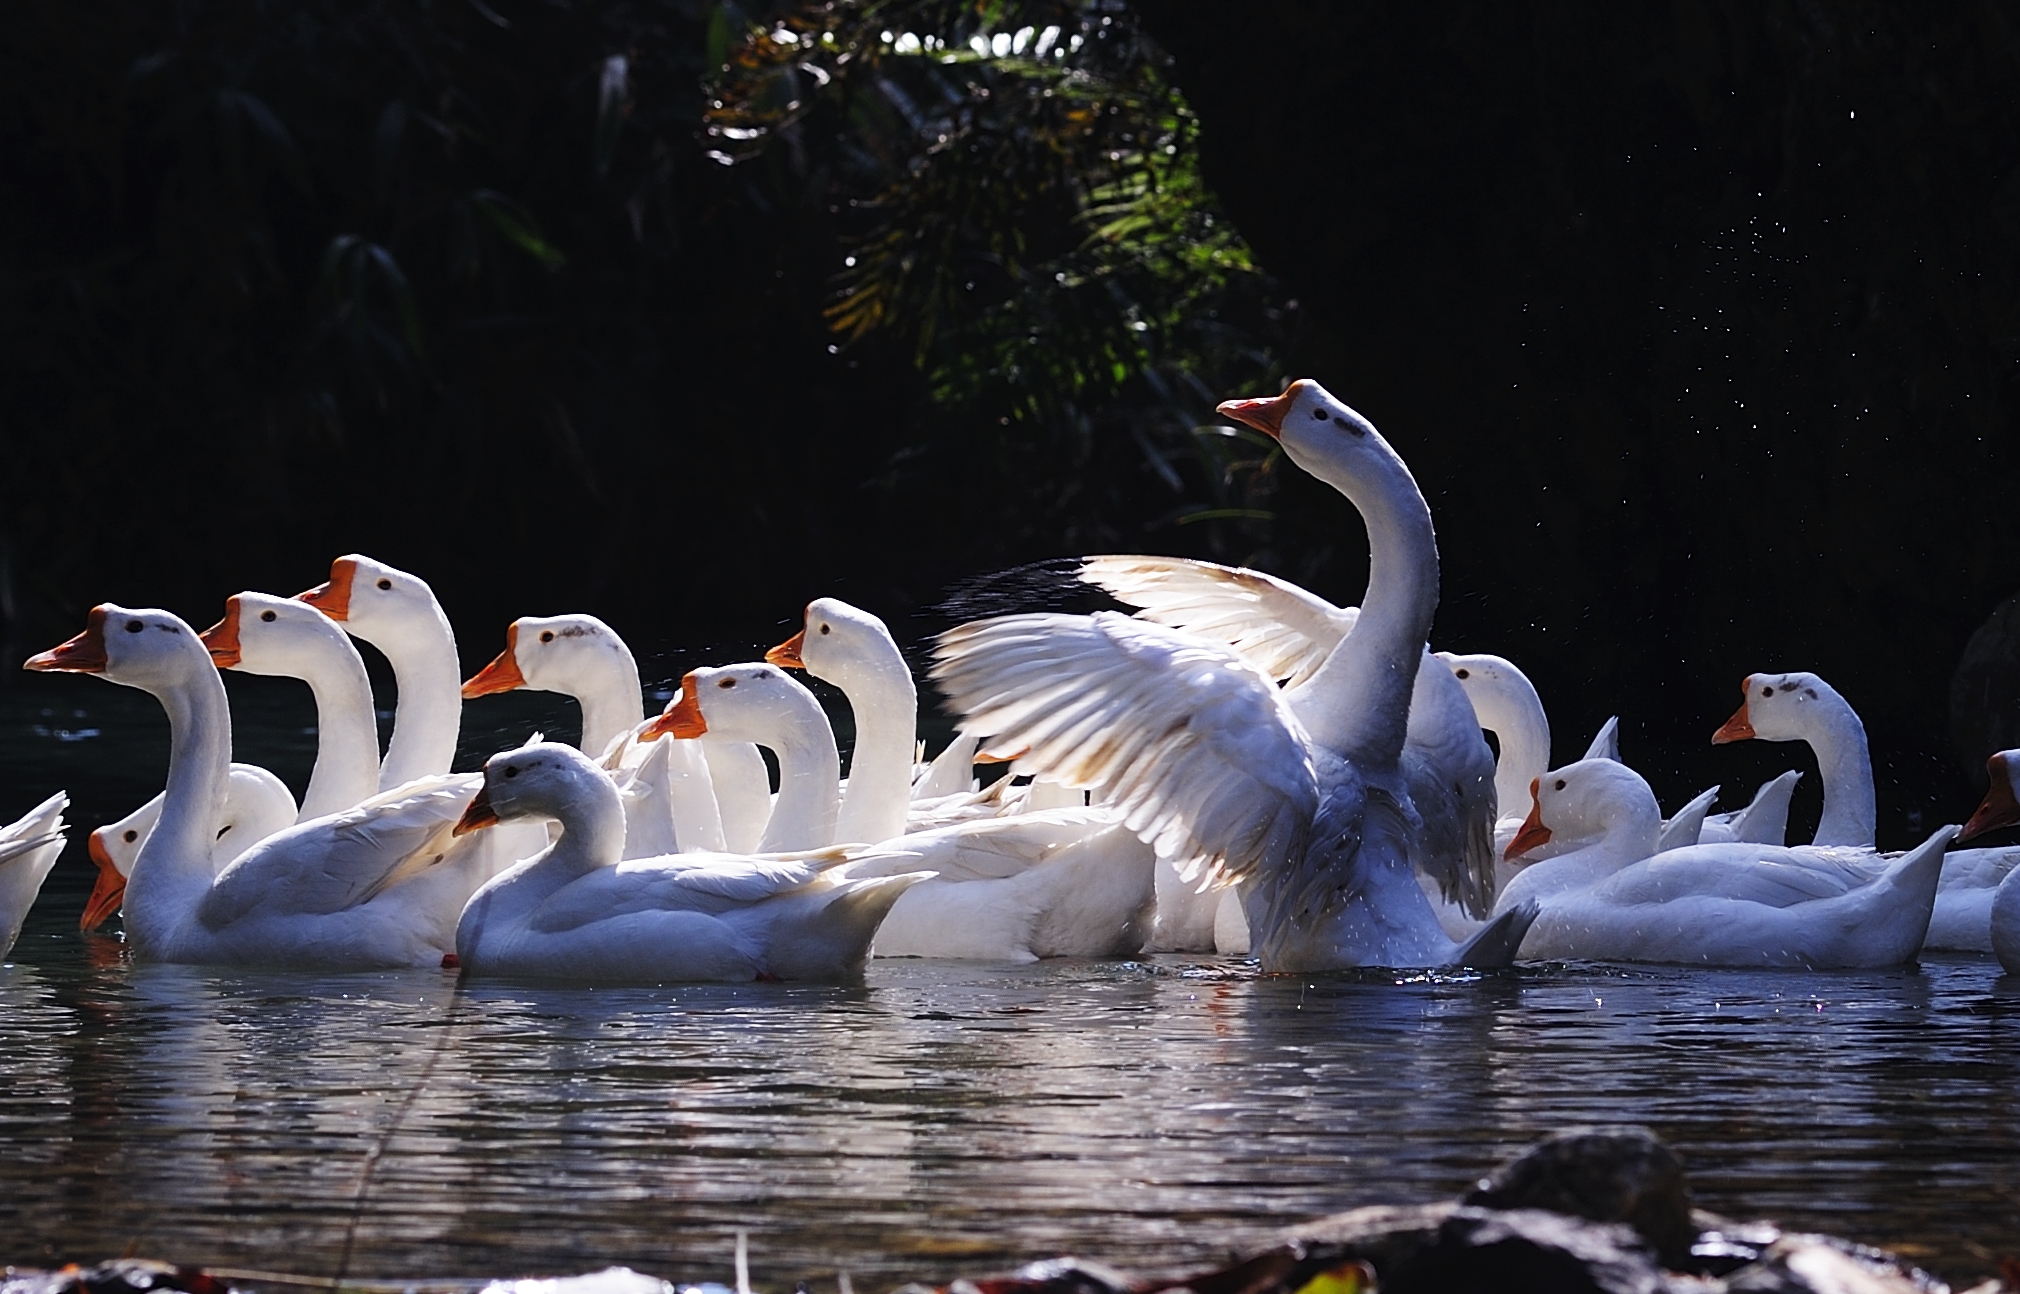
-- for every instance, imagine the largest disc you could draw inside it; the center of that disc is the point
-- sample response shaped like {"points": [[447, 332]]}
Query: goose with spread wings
{"points": [[1300, 795]]}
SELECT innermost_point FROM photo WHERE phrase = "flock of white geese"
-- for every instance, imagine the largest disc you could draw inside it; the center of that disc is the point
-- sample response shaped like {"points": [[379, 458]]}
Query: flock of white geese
{"points": [[1240, 767]]}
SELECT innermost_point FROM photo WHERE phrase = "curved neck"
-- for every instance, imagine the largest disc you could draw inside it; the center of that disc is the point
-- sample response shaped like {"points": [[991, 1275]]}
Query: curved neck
{"points": [[810, 774], [173, 870], [886, 705], [1514, 714], [743, 792], [1850, 812], [611, 700], [592, 837], [429, 710], [1632, 829], [1358, 703], [592, 828], [347, 736]]}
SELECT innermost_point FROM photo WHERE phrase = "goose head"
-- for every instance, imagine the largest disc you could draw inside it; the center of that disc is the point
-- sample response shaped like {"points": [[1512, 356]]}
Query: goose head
{"points": [[1781, 707], [1319, 432], [112, 848], [150, 649], [1592, 797], [264, 634], [542, 780], [376, 602], [2001, 806], [839, 643], [554, 654], [757, 702]]}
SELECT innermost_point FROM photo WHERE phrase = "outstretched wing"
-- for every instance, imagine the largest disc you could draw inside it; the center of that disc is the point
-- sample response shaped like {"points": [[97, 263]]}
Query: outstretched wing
{"points": [[1182, 737], [1277, 627]]}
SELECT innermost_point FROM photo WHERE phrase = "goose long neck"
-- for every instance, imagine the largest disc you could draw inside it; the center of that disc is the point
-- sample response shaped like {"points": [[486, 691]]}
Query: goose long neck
{"points": [[886, 705], [612, 703], [429, 712], [1632, 830], [592, 829], [173, 870], [1850, 812], [1358, 702], [1518, 723], [347, 736], [810, 774]]}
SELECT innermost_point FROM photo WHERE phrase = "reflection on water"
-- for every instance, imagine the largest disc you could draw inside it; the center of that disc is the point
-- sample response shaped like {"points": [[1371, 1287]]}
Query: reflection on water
{"points": [[942, 1118], [945, 1118]]}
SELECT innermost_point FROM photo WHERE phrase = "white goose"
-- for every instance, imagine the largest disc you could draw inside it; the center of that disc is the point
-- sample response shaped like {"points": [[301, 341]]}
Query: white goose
{"points": [[577, 912], [1799, 706], [853, 649], [669, 797], [397, 613], [263, 634], [1302, 794], [1617, 899], [1030, 876], [29, 847], [375, 886], [1288, 634], [774, 711], [288, 638], [256, 805]]}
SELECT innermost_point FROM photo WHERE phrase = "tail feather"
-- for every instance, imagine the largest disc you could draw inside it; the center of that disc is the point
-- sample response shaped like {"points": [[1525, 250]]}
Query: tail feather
{"points": [[1910, 886], [1687, 826], [831, 940], [1499, 940]]}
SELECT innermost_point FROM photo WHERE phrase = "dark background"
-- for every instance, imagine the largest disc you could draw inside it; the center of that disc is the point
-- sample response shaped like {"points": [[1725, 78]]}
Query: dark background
{"points": [[1699, 324]]}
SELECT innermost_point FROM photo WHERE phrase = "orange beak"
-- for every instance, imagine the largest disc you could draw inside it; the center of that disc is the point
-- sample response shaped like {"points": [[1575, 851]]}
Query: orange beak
{"points": [[477, 815], [222, 637], [1265, 415], [109, 893], [333, 596], [1533, 832], [501, 675], [84, 654], [787, 654], [1999, 809], [1739, 727], [682, 718]]}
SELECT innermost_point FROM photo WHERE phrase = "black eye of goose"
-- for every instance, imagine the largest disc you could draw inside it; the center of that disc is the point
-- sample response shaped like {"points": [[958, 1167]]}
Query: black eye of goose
{"points": [[824, 628], [134, 626], [268, 616], [511, 770], [1767, 691], [1322, 415], [1560, 784], [385, 583], [1462, 673], [129, 835], [728, 682], [547, 635]]}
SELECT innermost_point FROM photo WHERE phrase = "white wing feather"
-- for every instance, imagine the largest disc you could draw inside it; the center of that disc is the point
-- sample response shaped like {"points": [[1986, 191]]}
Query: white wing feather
{"points": [[1182, 737], [713, 884], [1281, 629], [333, 863]]}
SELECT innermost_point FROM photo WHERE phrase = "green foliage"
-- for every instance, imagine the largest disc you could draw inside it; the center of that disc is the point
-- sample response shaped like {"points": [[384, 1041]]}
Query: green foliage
{"points": [[1025, 216]]}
